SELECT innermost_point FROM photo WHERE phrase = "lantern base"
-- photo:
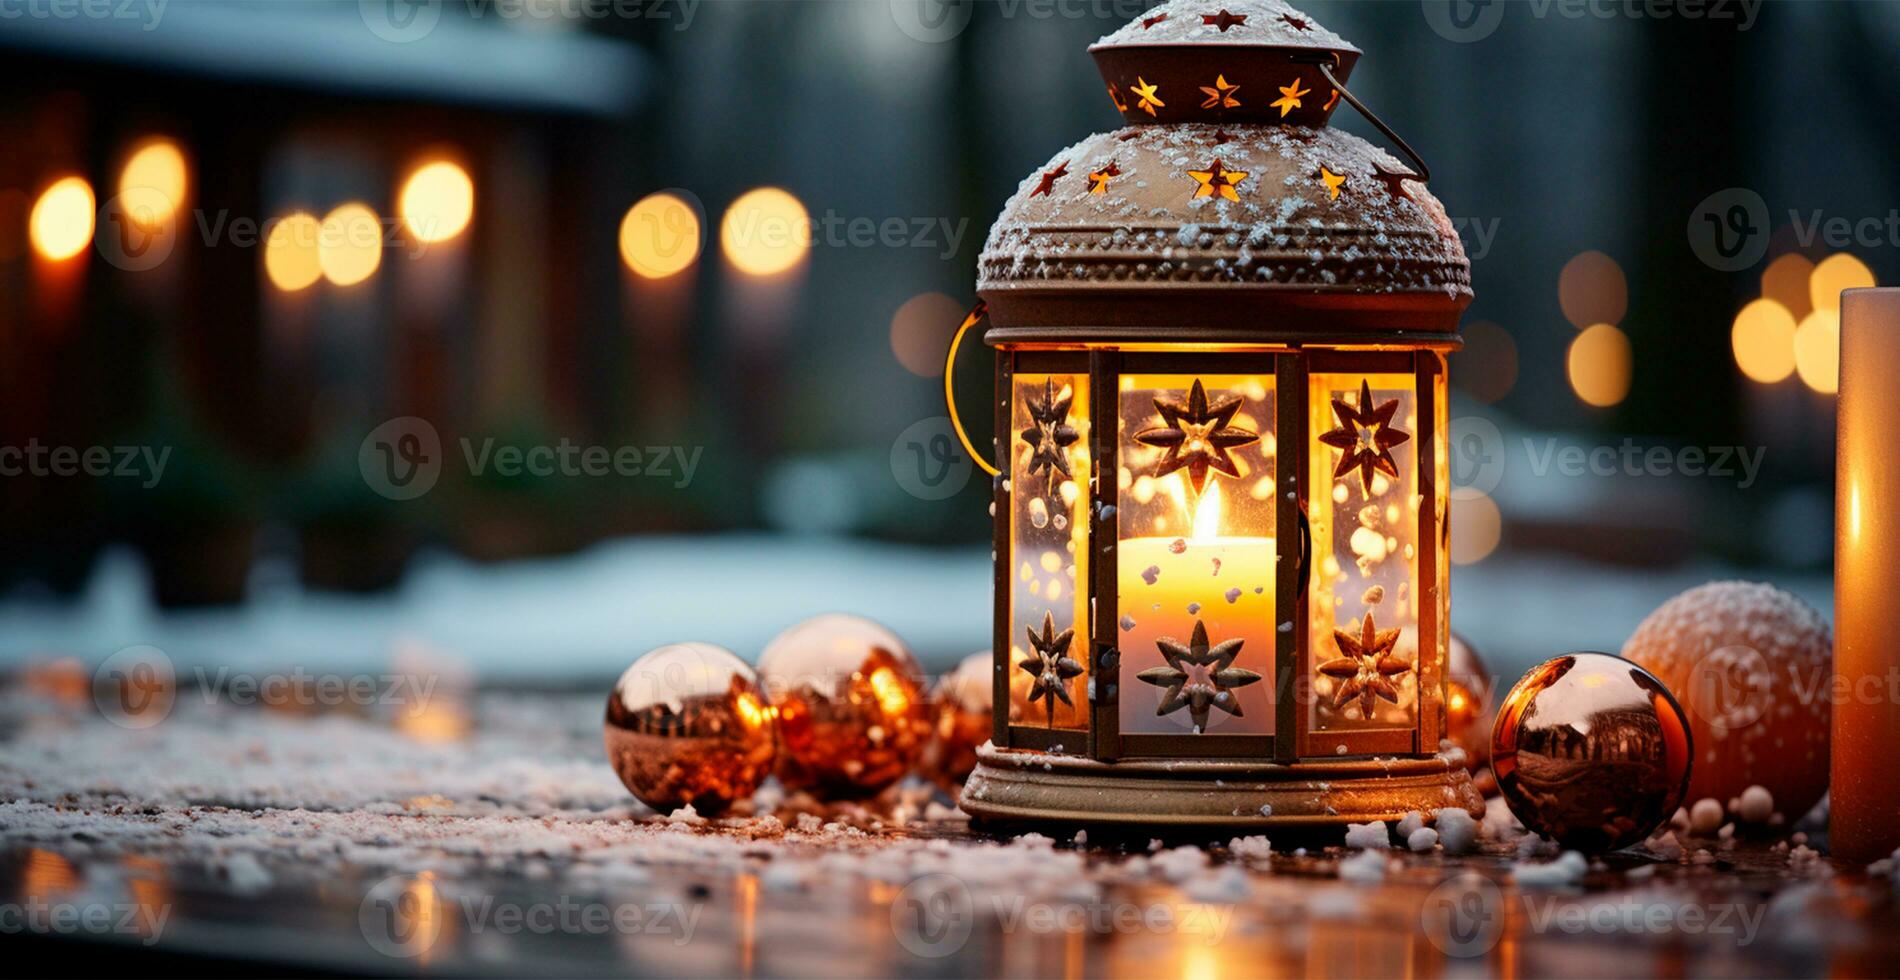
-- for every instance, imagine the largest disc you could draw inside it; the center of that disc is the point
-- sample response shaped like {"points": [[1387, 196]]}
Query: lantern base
{"points": [[1022, 788]]}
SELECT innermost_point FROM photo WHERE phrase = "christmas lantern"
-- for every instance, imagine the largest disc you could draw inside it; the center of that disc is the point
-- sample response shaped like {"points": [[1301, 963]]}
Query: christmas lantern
{"points": [[1220, 469]]}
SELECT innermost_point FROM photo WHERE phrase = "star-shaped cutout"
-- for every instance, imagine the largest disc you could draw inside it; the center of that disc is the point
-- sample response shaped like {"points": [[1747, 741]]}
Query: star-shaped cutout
{"points": [[1217, 181], [1289, 99], [1365, 667], [1115, 96], [1148, 22], [1098, 179], [1222, 136], [1331, 101], [1394, 181], [1332, 181], [1049, 178], [1224, 20], [1295, 22], [1220, 95], [1051, 666], [1365, 438], [1198, 676], [1049, 434], [1197, 435], [1148, 94]]}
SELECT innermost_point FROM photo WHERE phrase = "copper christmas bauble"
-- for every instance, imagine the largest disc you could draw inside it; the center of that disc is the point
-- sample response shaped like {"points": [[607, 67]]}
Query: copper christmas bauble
{"points": [[1469, 689], [689, 724], [852, 714], [961, 722], [1591, 750], [1751, 664]]}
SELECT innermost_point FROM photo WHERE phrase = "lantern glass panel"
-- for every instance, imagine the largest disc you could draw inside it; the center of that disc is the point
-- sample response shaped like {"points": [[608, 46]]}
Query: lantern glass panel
{"points": [[1365, 551], [1188, 557], [1049, 538]]}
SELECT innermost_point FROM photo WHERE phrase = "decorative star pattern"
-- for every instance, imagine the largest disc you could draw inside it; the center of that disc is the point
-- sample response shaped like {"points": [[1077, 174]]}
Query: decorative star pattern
{"points": [[1198, 676], [1394, 181], [1115, 96], [1332, 181], [1365, 438], [1149, 95], [1197, 436], [1098, 179], [1049, 178], [1295, 22], [1051, 666], [1289, 99], [1049, 434], [1365, 667], [1217, 181], [1331, 101], [1148, 22], [1220, 95], [1224, 20]]}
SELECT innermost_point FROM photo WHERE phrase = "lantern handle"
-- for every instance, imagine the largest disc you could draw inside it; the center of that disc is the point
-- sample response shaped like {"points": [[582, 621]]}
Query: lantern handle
{"points": [[1327, 61], [977, 312]]}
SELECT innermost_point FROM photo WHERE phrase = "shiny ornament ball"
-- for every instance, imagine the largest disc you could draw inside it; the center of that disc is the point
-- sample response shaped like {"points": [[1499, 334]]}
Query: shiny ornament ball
{"points": [[688, 724], [962, 721], [1468, 692], [852, 714], [1592, 751], [1752, 664]]}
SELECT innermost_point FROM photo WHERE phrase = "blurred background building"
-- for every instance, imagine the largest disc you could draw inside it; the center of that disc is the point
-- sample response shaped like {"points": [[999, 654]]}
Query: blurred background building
{"points": [[259, 240]]}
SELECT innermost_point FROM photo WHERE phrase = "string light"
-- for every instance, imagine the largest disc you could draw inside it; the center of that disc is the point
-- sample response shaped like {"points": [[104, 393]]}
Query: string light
{"points": [[62, 220], [350, 244], [765, 232], [659, 237], [437, 201], [290, 253], [1599, 365]]}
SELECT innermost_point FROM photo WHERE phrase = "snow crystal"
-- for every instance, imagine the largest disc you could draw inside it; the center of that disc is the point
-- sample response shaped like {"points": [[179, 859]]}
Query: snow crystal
{"points": [[1368, 835], [1567, 870]]}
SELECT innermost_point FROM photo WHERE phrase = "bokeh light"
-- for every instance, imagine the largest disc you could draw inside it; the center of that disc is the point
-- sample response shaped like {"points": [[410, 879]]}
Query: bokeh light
{"points": [[61, 224], [1817, 350], [290, 253], [660, 236], [1835, 273], [920, 332], [1592, 289], [152, 185], [350, 244], [765, 232], [1763, 338], [437, 201], [1786, 282], [1487, 367], [1599, 365], [1476, 526]]}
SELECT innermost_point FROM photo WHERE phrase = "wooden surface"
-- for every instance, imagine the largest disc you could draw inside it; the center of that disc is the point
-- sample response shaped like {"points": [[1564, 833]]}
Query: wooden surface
{"points": [[233, 839]]}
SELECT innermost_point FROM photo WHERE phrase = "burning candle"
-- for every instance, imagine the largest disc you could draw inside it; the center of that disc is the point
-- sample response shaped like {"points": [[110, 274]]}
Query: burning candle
{"points": [[1168, 584], [1865, 822]]}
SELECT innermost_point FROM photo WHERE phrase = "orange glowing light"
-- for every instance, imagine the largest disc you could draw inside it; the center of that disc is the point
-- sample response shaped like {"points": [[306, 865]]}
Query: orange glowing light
{"points": [[152, 185], [1763, 338], [62, 220], [1599, 365], [1817, 349], [891, 695], [350, 244], [660, 236], [437, 201], [765, 232], [1476, 527], [290, 253], [1835, 273]]}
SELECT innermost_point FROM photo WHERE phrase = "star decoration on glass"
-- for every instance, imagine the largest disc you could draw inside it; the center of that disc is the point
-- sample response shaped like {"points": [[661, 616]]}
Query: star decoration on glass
{"points": [[1098, 179], [1197, 436], [1222, 136], [1217, 181], [1394, 181], [1149, 95], [1198, 676], [1365, 667], [1049, 434], [1332, 181], [1289, 99], [1220, 95], [1224, 20], [1115, 96], [1295, 22], [1050, 664], [1365, 438], [1049, 178], [1148, 22]]}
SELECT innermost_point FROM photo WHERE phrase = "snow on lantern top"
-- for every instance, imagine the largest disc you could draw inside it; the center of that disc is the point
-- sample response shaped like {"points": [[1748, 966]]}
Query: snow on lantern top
{"points": [[1228, 210]]}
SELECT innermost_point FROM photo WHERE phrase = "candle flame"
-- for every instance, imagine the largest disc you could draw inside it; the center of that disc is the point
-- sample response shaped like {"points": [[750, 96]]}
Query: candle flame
{"points": [[1207, 513]]}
